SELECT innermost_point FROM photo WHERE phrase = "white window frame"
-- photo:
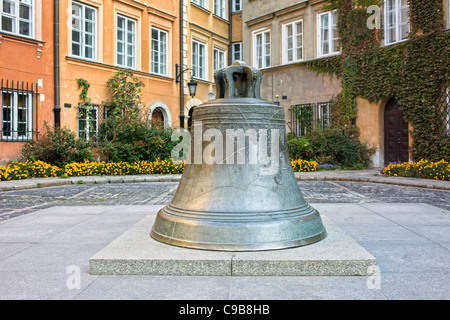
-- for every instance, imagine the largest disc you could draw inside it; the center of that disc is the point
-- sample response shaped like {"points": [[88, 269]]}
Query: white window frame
{"points": [[14, 16], [13, 105], [201, 3], [125, 42], [83, 33], [219, 59], [260, 52], [237, 5], [285, 42], [199, 62], [220, 8], [397, 24], [160, 52], [239, 51], [87, 122], [329, 28]]}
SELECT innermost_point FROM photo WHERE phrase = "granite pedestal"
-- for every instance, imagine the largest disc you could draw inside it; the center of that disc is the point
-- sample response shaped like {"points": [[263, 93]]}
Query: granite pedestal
{"points": [[136, 253]]}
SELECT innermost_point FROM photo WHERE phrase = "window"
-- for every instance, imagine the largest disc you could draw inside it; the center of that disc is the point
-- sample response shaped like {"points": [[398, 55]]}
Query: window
{"points": [[219, 59], [126, 42], [84, 31], [199, 60], [237, 5], [396, 21], [159, 51], [17, 17], [237, 51], [310, 116], [220, 8], [88, 122], [293, 42], [328, 37], [201, 3], [261, 49], [16, 115]]}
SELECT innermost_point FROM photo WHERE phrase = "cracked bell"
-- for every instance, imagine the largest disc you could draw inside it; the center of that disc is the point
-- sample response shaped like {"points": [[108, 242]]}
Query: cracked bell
{"points": [[238, 191]]}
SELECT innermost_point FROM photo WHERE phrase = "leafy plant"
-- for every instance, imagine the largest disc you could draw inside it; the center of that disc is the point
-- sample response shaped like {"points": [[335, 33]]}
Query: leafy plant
{"points": [[57, 146], [413, 72]]}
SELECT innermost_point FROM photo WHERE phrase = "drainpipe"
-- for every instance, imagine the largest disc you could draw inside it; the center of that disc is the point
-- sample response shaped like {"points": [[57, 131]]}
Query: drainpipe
{"points": [[57, 107], [230, 32], [181, 67]]}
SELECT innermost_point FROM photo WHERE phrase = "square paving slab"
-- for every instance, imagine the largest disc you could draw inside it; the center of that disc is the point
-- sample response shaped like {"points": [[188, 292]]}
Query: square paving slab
{"points": [[136, 253]]}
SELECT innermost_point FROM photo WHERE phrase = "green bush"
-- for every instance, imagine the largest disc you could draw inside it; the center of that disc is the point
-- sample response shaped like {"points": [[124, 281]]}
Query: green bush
{"points": [[57, 146], [134, 142], [332, 146]]}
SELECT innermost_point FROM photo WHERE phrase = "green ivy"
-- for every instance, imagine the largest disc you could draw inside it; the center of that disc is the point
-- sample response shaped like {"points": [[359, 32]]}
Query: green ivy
{"points": [[413, 71]]}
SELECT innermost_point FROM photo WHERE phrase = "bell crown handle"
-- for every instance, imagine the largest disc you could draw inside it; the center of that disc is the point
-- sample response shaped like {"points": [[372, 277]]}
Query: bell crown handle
{"points": [[238, 81]]}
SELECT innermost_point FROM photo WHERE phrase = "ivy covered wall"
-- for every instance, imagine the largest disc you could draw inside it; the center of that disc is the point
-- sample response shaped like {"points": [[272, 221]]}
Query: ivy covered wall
{"points": [[414, 71]]}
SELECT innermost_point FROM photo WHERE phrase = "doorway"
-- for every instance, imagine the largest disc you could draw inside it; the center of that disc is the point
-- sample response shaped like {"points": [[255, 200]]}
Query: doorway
{"points": [[396, 134]]}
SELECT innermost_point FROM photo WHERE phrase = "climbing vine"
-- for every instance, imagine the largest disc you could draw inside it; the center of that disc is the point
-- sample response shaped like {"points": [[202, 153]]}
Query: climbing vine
{"points": [[85, 104], [414, 71]]}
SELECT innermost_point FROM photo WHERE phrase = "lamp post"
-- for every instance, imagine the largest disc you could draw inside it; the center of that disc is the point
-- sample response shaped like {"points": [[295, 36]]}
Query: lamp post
{"points": [[192, 86]]}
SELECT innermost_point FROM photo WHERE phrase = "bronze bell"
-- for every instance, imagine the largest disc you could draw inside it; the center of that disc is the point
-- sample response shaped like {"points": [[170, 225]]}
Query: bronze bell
{"points": [[238, 191]]}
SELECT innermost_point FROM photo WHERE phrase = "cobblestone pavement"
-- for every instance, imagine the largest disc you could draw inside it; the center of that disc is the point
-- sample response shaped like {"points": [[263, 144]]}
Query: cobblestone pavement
{"points": [[15, 203]]}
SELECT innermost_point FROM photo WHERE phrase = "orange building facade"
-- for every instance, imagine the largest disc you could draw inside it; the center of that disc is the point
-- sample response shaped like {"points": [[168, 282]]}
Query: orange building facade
{"points": [[26, 73], [98, 38], [164, 44]]}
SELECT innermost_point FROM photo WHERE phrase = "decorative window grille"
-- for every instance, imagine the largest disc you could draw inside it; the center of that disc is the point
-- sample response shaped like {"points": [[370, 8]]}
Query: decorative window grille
{"points": [[310, 116], [19, 111]]}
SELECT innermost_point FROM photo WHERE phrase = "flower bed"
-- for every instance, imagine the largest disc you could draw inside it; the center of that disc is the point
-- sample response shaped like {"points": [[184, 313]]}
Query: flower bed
{"points": [[423, 169], [39, 169], [303, 165]]}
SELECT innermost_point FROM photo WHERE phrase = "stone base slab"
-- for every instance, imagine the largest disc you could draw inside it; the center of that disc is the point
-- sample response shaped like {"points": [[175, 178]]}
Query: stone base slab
{"points": [[136, 253]]}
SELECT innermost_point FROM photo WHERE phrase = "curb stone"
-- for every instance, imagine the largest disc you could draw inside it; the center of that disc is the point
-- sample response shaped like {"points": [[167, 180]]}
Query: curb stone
{"points": [[370, 176]]}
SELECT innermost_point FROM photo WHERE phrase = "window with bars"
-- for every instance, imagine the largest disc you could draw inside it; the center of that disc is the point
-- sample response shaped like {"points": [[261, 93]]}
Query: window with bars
{"points": [[443, 108], [17, 17], [18, 110], [159, 52], [126, 42], [310, 116], [88, 122], [84, 31]]}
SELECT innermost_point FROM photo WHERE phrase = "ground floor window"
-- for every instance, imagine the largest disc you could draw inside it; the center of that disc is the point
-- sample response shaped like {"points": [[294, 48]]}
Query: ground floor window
{"points": [[310, 116], [16, 115], [88, 122]]}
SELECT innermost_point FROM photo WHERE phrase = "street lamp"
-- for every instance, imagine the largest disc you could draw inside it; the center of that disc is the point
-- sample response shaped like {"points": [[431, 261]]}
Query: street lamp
{"points": [[192, 86]]}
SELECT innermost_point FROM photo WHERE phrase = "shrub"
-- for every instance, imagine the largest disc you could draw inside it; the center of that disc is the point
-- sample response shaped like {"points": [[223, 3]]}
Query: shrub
{"points": [[57, 146], [333, 146], [134, 142]]}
